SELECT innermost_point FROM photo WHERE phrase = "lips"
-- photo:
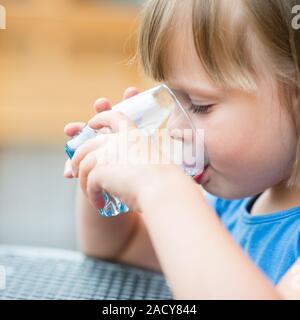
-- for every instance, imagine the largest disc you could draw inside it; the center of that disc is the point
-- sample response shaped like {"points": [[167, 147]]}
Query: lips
{"points": [[198, 178]]}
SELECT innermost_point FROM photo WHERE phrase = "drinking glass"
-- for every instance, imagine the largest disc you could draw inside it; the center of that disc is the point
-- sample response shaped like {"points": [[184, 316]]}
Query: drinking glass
{"points": [[159, 114]]}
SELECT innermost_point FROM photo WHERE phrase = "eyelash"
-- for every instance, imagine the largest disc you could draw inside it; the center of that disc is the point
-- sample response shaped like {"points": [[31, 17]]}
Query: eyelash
{"points": [[200, 109]]}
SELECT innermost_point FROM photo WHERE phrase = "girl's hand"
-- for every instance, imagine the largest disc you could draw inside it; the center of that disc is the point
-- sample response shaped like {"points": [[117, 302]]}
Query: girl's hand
{"points": [[71, 129], [100, 165], [74, 128]]}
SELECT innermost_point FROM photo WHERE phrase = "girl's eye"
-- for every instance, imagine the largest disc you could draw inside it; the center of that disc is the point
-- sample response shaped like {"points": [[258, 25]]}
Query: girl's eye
{"points": [[200, 108]]}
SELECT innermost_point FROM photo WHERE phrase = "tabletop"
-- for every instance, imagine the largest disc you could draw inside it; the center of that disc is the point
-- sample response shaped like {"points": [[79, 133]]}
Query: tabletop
{"points": [[30, 273]]}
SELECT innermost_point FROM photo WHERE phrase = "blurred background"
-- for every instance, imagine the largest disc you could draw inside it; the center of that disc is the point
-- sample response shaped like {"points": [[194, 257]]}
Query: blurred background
{"points": [[56, 58]]}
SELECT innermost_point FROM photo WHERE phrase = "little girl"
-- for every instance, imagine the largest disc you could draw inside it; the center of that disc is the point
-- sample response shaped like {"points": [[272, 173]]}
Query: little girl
{"points": [[237, 236]]}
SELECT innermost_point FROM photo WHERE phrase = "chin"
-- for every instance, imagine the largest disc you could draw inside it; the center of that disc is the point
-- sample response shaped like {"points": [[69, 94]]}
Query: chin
{"points": [[224, 191], [229, 189]]}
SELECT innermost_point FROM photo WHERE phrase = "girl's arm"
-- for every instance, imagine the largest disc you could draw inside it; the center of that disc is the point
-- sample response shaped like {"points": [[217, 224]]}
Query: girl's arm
{"points": [[100, 236], [197, 254], [123, 238], [139, 250], [289, 286]]}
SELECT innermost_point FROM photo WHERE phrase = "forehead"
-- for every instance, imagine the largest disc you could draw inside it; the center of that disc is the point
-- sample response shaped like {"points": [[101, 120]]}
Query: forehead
{"points": [[222, 52], [183, 68]]}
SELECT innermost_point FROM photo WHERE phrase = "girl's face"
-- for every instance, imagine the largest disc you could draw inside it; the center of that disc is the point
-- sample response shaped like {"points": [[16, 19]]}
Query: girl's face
{"points": [[249, 138]]}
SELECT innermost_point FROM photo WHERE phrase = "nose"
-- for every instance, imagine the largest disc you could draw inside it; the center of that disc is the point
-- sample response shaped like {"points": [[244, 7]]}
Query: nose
{"points": [[176, 120], [178, 126]]}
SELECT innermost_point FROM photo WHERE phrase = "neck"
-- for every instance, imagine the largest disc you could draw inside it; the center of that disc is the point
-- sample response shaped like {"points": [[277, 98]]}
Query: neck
{"points": [[277, 198]]}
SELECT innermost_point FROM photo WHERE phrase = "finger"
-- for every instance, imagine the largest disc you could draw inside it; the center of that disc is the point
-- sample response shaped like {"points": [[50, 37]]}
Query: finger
{"points": [[115, 120], [83, 150], [68, 170], [94, 190], [130, 92], [105, 130], [85, 167], [102, 104], [71, 129]]}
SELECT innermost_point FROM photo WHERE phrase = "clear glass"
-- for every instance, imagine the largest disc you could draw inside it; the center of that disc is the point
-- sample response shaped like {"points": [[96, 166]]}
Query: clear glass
{"points": [[159, 114]]}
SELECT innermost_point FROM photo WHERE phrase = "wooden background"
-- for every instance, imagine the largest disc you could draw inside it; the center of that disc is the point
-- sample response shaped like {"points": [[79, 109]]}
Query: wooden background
{"points": [[56, 58]]}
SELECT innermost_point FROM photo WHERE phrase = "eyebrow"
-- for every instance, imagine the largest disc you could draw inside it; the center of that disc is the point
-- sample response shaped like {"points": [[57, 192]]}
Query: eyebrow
{"points": [[195, 91]]}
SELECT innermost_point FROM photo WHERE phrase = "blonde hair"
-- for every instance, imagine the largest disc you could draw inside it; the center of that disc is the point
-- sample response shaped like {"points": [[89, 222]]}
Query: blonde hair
{"points": [[224, 45]]}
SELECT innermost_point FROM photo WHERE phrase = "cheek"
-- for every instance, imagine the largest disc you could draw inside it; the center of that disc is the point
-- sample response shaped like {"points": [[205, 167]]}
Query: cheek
{"points": [[254, 147], [229, 136], [251, 144]]}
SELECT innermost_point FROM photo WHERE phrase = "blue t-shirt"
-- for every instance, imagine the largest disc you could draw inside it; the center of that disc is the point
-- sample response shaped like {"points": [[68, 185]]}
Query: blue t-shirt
{"points": [[272, 241]]}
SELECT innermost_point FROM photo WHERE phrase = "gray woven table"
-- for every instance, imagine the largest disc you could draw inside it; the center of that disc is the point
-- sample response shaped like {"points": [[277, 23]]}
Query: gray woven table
{"points": [[50, 274]]}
